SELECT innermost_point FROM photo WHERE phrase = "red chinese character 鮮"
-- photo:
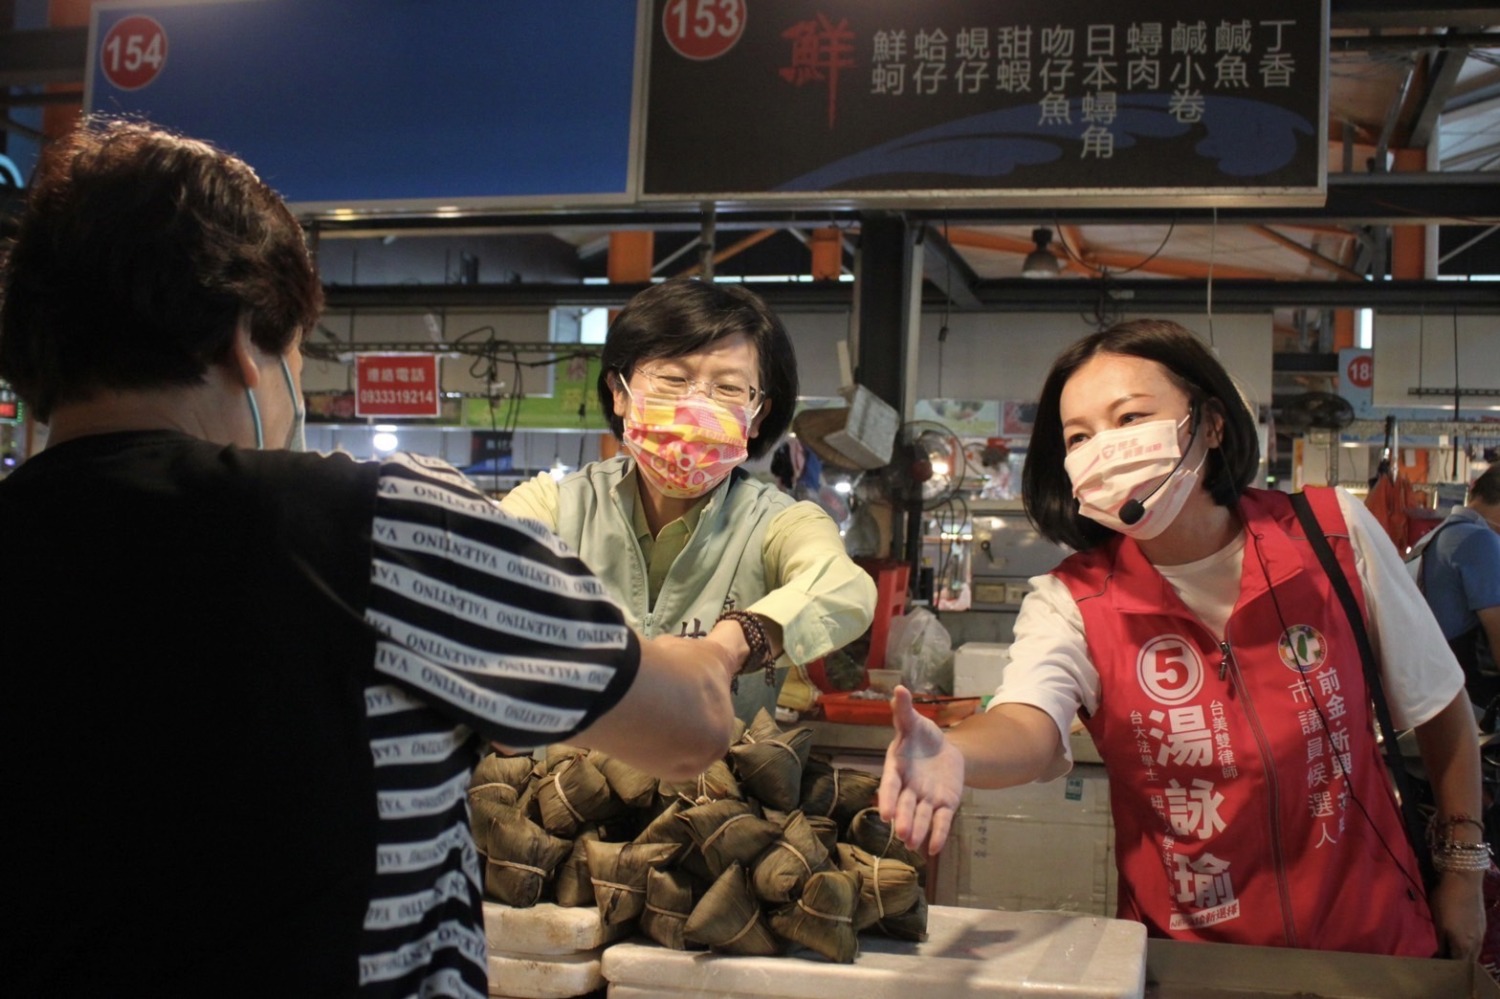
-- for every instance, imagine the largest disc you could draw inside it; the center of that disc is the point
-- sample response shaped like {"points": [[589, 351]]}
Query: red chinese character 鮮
{"points": [[820, 49]]}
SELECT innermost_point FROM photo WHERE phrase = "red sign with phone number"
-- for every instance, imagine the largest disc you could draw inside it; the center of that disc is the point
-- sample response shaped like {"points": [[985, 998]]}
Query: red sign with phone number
{"points": [[396, 385]]}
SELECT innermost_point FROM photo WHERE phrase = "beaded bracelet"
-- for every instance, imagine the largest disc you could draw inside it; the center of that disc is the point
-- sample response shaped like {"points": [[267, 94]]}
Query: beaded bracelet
{"points": [[760, 656], [1461, 857], [1449, 854], [1451, 824]]}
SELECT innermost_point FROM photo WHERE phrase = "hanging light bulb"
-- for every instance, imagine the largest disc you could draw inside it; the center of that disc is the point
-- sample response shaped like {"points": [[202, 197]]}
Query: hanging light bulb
{"points": [[1040, 263]]}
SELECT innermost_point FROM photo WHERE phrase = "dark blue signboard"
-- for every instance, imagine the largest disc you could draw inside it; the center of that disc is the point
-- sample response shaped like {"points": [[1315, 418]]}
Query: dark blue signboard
{"points": [[396, 103], [967, 100]]}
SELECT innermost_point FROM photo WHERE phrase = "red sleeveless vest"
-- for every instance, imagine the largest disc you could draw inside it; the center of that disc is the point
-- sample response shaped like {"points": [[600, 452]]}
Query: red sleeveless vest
{"points": [[1250, 801]]}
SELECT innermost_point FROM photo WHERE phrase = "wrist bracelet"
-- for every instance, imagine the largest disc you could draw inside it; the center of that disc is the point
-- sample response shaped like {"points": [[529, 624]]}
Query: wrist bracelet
{"points": [[1462, 857], [1451, 824], [760, 656]]}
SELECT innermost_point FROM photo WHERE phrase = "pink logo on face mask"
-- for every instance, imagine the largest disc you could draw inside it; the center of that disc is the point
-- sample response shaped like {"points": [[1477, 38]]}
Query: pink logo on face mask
{"points": [[685, 446]]}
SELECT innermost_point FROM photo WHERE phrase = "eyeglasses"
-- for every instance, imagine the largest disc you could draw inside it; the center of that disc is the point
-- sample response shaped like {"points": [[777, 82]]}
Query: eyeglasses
{"points": [[677, 386]]}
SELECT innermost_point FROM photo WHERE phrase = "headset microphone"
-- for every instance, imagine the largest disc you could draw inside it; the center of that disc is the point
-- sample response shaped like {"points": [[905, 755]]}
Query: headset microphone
{"points": [[1134, 509]]}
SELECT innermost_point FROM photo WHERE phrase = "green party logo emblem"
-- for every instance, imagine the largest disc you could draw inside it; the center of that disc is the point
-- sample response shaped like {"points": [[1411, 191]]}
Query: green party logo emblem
{"points": [[1302, 648]]}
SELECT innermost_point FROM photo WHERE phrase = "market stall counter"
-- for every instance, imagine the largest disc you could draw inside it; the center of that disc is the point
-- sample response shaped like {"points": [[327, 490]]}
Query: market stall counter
{"points": [[968, 952]]}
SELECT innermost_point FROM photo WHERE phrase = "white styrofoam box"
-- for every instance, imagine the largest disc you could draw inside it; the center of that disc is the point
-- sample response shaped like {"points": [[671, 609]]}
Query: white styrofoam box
{"points": [[978, 668], [522, 976], [865, 762], [546, 929], [1037, 846], [970, 952]]}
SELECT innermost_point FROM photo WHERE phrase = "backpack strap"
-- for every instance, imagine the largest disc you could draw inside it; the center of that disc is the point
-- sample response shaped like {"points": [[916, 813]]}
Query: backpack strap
{"points": [[1405, 786]]}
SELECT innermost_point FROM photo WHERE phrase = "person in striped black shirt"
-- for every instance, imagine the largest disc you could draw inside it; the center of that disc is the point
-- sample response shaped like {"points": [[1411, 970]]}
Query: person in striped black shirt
{"points": [[245, 686]]}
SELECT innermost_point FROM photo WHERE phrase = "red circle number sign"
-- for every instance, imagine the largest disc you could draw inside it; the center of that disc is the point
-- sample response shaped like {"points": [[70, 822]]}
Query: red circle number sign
{"points": [[1361, 371], [133, 53], [703, 29]]}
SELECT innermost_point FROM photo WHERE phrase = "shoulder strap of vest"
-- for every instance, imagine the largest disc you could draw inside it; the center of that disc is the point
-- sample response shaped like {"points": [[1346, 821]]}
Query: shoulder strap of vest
{"points": [[1404, 783]]}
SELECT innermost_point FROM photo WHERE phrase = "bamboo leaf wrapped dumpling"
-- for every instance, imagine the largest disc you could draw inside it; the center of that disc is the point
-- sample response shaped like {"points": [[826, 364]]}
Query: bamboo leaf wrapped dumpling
{"points": [[837, 792], [887, 887], [636, 788], [573, 794], [669, 902], [573, 887], [853, 792], [770, 768], [667, 827], [909, 925], [826, 830], [871, 833], [717, 783], [519, 855], [728, 918], [781, 871], [559, 752], [619, 871], [762, 726], [728, 832], [817, 787], [494, 768], [488, 796], [823, 918]]}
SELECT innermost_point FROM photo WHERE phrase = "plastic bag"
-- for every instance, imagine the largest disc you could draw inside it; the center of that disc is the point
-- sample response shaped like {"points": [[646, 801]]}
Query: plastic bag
{"points": [[921, 648]]}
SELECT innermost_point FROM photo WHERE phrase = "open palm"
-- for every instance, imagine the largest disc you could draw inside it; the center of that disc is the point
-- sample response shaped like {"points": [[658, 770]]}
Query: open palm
{"points": [[923, 780]]}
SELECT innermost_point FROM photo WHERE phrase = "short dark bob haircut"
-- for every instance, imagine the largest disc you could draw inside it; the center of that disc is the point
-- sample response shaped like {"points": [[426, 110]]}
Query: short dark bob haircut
{"points": [[1045, 486], [1486, 488], [136, 253], [685, 315]]}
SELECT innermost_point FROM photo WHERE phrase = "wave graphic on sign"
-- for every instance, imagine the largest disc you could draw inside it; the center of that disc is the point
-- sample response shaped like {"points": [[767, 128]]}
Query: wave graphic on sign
{"points": [[1246, 138], [10, 175]]}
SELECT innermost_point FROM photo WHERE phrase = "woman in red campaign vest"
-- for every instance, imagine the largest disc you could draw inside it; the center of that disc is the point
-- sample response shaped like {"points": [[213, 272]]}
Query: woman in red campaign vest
{"points": [[1198, 636]]}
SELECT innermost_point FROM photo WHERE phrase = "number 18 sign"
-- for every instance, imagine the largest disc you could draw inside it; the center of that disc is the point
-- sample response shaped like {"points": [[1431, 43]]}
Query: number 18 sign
{"points": [[396, 385]]}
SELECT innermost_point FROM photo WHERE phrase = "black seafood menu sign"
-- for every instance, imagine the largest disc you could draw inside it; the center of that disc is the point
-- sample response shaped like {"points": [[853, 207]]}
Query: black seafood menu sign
{"points": [[973, 99]]}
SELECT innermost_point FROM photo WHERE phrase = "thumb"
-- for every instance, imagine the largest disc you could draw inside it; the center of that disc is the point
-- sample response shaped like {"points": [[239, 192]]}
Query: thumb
{"points": [[903, 715]]}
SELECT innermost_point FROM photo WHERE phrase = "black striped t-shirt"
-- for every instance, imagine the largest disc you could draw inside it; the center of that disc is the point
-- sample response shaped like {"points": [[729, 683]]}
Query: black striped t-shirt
{"points": [[492, 630]]}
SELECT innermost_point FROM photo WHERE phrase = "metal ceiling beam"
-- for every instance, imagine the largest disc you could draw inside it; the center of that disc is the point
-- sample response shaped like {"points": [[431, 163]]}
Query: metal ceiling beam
{"points": [[1307, 253], [1353, 199], [1473, 101], [1015, 295], [1413, 41], [1478, 158], [1409, 14], [50, 55], [1442, 73], [946, 268]]}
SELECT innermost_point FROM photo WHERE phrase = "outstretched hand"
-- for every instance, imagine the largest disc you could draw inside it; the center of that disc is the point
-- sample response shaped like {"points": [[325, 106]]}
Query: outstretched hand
{"points": [[923, 780]]}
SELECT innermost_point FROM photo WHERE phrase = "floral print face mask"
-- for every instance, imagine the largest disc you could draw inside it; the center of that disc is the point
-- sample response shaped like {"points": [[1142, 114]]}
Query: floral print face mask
{"points": [[685, 446]]}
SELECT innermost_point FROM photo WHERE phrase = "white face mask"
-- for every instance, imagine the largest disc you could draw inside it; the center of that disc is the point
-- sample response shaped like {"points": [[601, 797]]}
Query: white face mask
{"points": [[1135, 479]]}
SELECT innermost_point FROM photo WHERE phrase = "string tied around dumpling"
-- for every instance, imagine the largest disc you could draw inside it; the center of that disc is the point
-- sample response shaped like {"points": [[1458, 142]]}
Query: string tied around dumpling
{"points": [[830, 916], [783, 844], [563, 795], [720, 831], [749, 925]]}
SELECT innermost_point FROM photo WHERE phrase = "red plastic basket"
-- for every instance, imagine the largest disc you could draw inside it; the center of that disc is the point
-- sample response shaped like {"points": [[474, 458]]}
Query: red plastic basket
{"points": [[891, 579], [852, 710]]}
